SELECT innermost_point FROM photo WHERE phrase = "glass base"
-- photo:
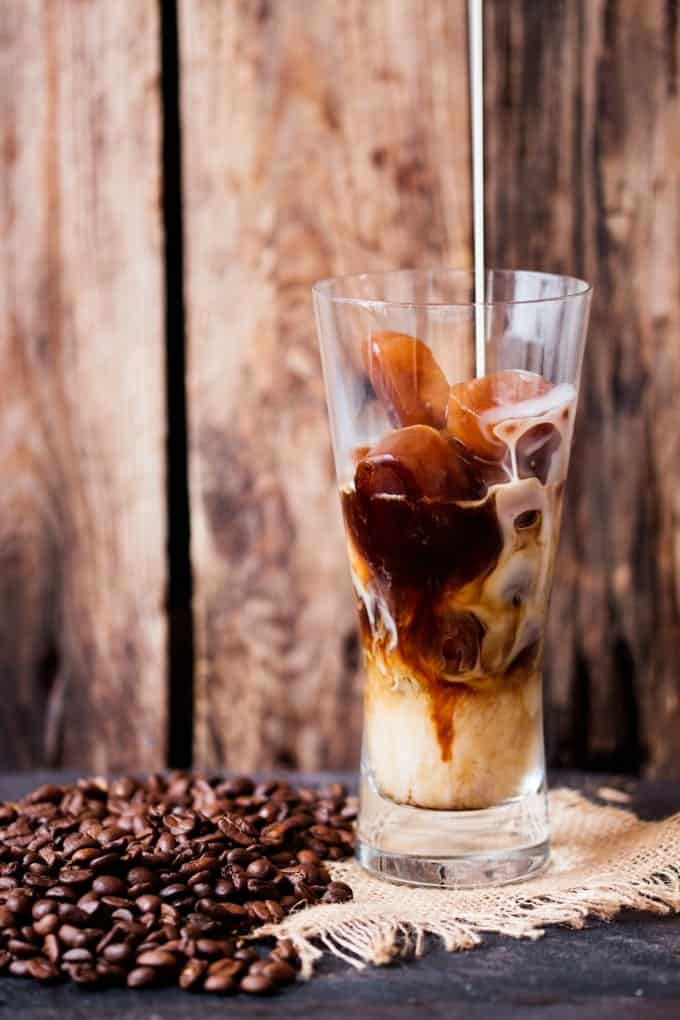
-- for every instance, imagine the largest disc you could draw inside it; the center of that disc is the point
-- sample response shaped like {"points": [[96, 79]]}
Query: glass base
{"points": [[457, 849]]}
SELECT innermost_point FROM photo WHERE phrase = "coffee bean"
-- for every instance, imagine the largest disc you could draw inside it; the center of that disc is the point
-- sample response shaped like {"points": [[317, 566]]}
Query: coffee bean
{"points": [[71, 936], [240, 786], [149, 903], [117, 952], [46, 925], [229, 966], [260, 868], [308, 857], [170, 892], [89, 903], [135, 876], [52, 948], [214, 947], [19, 903], [141, 977], [41, 969], [19, 968], [83, 974], [224, 889], [40, 909], [105, 862], [221, 984], [77, 956], [279, 972], [338, 892], [47, 792], [157, 958], [151, 877], [205, 863], [108, 885], [61, 893], [191, 974], [111, 973], [7, 918], [20, 947], [257, 984], [74, 876]]}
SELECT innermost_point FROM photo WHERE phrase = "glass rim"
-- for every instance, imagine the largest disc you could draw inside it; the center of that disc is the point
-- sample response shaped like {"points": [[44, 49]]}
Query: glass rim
{"points": [[321, 288]]}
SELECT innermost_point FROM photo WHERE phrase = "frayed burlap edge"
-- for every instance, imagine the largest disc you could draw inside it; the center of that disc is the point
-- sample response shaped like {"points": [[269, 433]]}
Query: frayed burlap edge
{"points": [[604, 859]]}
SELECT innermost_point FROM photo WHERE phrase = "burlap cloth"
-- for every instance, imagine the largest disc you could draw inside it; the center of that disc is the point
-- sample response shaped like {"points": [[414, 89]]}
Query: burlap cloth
{"points": [[603, 859]]}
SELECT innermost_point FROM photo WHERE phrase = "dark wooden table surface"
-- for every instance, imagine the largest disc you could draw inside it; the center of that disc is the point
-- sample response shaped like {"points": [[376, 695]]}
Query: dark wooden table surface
{"points": [[626, 969]]}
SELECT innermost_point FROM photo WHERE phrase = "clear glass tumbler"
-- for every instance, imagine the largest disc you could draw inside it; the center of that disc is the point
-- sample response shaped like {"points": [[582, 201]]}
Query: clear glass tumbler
{"points": [[451, 482]]}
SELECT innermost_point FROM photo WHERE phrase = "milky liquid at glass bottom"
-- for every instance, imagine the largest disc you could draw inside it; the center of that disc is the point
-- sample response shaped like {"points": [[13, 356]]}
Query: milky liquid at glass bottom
{"points": [[452, 598]]}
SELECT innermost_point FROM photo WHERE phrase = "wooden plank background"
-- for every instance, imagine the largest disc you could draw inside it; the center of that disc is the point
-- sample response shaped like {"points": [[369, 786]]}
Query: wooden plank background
{"points": [[82, 514], [316, 138], [583, 123]]}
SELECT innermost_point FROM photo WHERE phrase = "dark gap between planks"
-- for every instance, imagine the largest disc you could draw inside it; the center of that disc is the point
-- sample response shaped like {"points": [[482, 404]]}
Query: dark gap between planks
{"points": [[180, 641]]}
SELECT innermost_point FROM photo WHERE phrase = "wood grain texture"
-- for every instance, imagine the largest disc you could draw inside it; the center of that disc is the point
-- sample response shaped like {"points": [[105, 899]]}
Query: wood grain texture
{"points": [[318, 139], [82, 518], [583, 176]]}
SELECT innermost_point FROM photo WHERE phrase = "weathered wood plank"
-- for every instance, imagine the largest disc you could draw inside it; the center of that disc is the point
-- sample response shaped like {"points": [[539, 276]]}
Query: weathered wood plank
{"points": [[318, 138], [583, 175], [82, 519]]}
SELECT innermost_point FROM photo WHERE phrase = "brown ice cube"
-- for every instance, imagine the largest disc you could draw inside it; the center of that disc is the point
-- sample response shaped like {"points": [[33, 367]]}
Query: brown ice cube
{"points": [[406, 378], [475, 406], [417, 461]]}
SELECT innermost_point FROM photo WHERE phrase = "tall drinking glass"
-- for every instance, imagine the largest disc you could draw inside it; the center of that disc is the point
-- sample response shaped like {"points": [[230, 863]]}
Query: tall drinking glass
{"points": [[451, 483]]}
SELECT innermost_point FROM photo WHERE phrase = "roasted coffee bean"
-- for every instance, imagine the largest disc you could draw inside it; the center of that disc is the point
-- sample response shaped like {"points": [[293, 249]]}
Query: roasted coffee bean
{"points": [[77, 956], [89, 903], [149, 903], [111, 973], [61, 893], [84, 974], [20, 947], [246, 955], [7, 918], [74, 876], [141, 977], [40, 909], [52, 948], [240, 786], [214, 947], [191, 974], [19, 903], [145, 882], [338, 892], [257, 984], [117, 952], [260, 868], [19, 968], [135, 876], [41, 969], [157, 958], [279, 972], [108, 885], [46, 925], [69, 913], [71, 936]]}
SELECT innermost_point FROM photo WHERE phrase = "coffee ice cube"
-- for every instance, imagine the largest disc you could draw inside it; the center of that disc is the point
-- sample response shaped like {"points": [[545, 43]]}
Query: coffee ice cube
{"points": [[406, 378], [417, 461], [476, 406]]}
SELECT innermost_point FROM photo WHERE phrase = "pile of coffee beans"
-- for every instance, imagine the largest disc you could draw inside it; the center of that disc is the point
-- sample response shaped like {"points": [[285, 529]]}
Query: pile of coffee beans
{"points": [[159, 881]]}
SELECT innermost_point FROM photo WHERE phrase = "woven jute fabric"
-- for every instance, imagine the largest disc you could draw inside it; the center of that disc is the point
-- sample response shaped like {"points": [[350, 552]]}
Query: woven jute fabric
{"points": [[603, 859]]}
